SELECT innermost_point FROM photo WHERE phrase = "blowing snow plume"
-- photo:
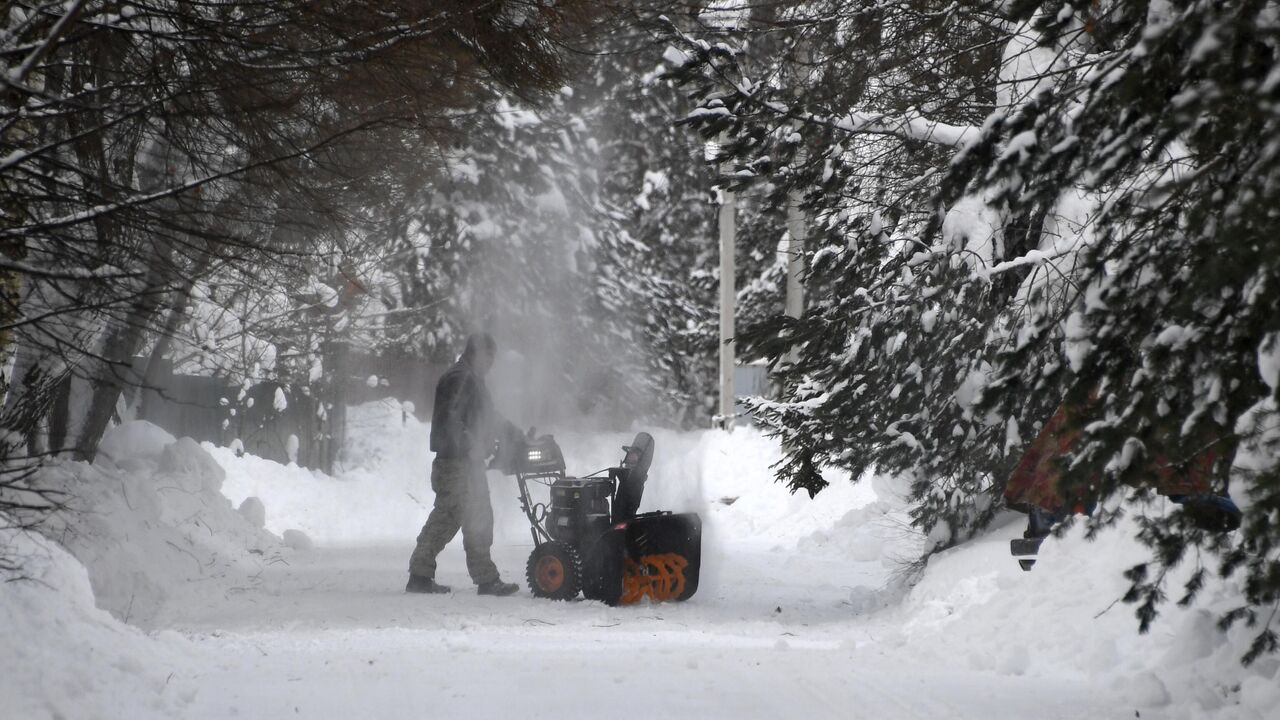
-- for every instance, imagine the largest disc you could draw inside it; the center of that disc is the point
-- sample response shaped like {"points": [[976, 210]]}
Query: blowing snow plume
{"points": [[525, 238]]}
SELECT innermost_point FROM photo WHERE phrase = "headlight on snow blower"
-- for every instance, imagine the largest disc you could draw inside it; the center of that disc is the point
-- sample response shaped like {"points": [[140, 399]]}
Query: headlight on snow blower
{"points": [[541, 457]]}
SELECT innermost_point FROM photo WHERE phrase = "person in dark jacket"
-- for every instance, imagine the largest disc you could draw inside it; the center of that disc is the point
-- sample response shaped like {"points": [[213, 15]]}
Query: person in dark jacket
{"points": [[464, 426]]}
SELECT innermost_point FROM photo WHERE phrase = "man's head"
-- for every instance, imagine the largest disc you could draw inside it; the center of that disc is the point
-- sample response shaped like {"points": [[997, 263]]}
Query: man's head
{"points": [[480, 352]]}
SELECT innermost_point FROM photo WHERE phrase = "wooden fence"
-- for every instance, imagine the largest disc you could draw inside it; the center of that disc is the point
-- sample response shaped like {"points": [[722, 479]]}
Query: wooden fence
{"points": [[202, 407]]}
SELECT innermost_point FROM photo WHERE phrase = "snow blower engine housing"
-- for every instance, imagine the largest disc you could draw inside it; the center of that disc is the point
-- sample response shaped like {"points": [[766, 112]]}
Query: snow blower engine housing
{"points": [[588, 537]]}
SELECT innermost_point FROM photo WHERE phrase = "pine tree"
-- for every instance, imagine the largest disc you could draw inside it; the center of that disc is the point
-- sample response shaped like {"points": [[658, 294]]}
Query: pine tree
{"points": [[1024, 208]]}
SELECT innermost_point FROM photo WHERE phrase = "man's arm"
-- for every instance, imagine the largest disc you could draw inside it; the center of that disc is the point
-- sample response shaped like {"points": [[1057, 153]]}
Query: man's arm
{"points": [[489, 425]]}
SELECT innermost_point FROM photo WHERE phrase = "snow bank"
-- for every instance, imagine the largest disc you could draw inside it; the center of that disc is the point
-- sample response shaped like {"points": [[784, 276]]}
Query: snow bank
{"points": [[149, 522], [65, 658], [974, 607], [381, 493], [147, 527]]}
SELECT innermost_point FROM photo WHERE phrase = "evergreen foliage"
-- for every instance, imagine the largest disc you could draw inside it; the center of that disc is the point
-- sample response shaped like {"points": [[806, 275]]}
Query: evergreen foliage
{"points": [[1024, 205]]}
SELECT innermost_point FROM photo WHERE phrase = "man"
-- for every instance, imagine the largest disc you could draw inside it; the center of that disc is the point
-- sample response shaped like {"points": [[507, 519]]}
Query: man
{"points": [[463, 428]]}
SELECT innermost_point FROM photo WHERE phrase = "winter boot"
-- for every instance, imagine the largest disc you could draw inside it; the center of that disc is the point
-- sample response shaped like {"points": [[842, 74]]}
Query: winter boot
{"points": [[1214, 513], [497, 587], [420, 584], [1040, 524]]}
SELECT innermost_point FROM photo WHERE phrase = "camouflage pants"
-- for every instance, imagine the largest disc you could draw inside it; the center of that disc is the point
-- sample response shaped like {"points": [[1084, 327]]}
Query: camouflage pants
{"points": [[462, 501]]}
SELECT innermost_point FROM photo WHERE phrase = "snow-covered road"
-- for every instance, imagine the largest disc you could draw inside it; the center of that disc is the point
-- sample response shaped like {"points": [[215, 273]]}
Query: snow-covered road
{"points": [[799, 612], [773, 635]]}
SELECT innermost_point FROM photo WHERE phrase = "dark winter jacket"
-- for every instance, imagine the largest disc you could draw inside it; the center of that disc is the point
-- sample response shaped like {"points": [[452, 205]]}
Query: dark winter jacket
{"points": [[463, 421]]}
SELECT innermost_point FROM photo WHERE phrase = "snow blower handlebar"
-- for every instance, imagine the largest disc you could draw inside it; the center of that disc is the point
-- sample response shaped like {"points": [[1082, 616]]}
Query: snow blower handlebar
{"points": [[530, 458]]}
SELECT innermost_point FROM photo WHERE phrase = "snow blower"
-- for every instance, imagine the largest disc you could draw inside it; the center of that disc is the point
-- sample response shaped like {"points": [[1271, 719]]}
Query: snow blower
{"points": [[589, 539]]}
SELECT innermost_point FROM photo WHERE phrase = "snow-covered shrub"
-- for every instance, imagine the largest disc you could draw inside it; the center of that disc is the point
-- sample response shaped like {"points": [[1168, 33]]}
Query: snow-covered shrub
{"points": [[1022, 207]]}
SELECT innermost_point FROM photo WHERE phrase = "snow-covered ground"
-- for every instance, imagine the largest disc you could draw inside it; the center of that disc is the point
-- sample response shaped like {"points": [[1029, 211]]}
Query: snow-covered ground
{"points": [[800, 613]]}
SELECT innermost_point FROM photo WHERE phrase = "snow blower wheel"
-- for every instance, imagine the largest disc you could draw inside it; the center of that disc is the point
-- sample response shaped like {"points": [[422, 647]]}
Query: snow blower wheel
{"points": [[554, 572]]}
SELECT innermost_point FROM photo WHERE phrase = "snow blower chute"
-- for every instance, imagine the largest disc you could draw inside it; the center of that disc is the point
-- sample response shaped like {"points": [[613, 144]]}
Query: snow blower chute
{"points": [[589, 539]]}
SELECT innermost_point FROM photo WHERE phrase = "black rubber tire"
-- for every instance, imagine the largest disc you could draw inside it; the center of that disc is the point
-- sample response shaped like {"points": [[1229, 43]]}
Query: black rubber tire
{"points": [[554, 571]]}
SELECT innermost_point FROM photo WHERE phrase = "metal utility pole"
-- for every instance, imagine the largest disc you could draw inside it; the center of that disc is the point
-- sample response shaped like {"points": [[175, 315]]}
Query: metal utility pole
{"points": [[794, 249], [797, 234], [728, 299]]}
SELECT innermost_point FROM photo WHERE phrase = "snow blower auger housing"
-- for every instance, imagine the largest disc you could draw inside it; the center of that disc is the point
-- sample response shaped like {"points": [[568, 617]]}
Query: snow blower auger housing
{"points": [[589, 539]]}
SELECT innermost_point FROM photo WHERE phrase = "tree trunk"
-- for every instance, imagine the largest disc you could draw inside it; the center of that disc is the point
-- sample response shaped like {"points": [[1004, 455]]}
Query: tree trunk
{"points": [[156, 369], [114, 363], [59, 415], [335, 403]]}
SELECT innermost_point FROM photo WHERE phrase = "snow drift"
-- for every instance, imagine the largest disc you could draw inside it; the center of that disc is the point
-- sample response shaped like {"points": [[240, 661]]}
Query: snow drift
{"points": [[148, 527], [65, 658], [150, 523]]}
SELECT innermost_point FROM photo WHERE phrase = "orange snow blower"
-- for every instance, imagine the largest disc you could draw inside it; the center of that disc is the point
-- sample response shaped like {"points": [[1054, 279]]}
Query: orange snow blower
{"points": [[589, 539]]}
